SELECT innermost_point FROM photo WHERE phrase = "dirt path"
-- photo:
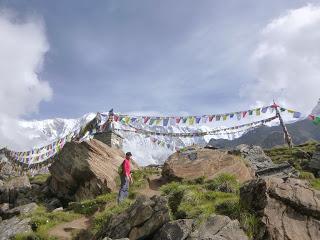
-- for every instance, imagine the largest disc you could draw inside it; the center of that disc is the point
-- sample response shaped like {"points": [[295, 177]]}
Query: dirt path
{"points": [[154, 183], [64, 231]]}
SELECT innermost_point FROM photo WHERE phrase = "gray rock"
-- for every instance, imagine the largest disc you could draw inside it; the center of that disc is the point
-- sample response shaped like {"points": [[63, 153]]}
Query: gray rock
{"points": [[314, 164], [262, 164], [255, 156], [139, 221], [219, 227], [13, 226], [14, 191], [60, 209], [53, 203], [107, 238], [21, 210], [175, 230]]}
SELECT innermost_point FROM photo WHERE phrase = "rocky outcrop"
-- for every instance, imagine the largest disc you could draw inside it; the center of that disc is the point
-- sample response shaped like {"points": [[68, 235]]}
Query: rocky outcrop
{"points": [[261, 163], [287, 209], [6, 168], [13, 226], [175, 230], [7, 213], [139, 221], [216, 227], [15, 190], [84, 170], [314, 164], [203, 162]]}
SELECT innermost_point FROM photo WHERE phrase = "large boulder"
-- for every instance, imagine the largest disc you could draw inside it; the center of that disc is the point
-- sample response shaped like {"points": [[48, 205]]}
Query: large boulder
{"points": [[15, 191], [175, 230], [261, 163], [216, 227], [314, 164], [11, 227], [203, 162], [139, 221], [286, 209], [84, 170]]}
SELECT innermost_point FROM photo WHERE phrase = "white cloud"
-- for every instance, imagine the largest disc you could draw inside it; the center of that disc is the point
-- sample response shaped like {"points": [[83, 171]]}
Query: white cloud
{"points": [[286, 62], [22, 49]]}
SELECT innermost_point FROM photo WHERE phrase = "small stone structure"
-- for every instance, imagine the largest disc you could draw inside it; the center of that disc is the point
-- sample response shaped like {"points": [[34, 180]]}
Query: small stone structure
{"points": [[110, 138]]}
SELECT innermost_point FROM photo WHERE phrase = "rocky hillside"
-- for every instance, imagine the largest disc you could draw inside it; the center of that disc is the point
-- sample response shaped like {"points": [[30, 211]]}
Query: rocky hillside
{"points": [[199, 193], [268, 137]]}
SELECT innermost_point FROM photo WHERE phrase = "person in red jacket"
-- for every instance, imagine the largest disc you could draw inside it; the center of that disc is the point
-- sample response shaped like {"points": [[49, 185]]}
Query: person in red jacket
{"points": [[126, 178]]}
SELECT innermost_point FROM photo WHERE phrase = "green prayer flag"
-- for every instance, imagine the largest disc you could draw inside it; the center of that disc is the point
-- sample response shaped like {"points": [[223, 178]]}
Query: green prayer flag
{"points": [[316, 121]]}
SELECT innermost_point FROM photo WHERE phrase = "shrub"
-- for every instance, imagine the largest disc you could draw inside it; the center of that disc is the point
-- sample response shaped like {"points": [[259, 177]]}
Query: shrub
{"points": [[193, 200], [89, 207], [223, 183], [39, 179], [101, 219], [306, 175], [230, 208], [250, 223], [315, 183]]}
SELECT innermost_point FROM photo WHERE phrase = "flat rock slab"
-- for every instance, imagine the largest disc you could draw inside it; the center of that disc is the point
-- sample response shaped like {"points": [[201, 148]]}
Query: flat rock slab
{"points": [[287, 209], [13, 226]]}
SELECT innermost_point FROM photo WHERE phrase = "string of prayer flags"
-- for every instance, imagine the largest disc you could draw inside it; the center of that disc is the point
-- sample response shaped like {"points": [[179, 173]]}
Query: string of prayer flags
{"points": [[194, 134], [189, 120]]}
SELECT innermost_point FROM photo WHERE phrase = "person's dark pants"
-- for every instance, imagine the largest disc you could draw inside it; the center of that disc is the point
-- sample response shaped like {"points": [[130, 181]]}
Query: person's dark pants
{"points": [[124, 189]]}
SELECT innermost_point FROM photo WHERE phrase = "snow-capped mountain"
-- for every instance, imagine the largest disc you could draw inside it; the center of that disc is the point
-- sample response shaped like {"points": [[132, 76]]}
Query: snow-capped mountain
{"points": [[41, 133], [145, 151]]}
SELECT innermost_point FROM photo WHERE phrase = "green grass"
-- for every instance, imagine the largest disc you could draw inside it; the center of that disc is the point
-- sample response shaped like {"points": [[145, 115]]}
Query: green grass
{"points": [[42, 221], [195, 200], [315, 183], [89, 207], [224, 183], [198, 199], [298, 156], [306, 175], [102, 218]]}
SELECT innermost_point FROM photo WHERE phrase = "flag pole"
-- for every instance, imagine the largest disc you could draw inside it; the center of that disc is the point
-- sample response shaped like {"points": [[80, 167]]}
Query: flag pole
{"points": [[287, 137]]}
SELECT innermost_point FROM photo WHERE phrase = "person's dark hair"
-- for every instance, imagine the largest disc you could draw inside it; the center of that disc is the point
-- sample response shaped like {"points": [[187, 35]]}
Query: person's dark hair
{"points": [[128, 154]]}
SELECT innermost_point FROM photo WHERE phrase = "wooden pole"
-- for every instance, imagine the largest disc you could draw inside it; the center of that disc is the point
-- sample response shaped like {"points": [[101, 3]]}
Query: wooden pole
{"points": [[287, 136]]}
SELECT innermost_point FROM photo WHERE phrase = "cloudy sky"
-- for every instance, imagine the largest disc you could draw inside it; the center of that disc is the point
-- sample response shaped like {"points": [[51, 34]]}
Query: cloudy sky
{"points": [[67, 58]]}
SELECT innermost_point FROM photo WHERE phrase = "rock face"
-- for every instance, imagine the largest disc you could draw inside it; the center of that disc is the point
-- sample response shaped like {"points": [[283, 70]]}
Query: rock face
{"points": [[6, 213], [314, 164], [84, 170], [261, 163], [139, 221], [14, 191], [216, 227], [175, 230], [13, 226], [198, 162], [255, 155], [287, 209]]}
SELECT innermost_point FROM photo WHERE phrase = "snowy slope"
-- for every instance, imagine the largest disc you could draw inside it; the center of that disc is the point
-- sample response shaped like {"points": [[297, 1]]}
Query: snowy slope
{"points": [[316, 109]]}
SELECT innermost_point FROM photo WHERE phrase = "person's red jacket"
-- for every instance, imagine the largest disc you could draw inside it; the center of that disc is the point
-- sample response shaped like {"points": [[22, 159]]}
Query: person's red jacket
{"points": [[126, 167]]}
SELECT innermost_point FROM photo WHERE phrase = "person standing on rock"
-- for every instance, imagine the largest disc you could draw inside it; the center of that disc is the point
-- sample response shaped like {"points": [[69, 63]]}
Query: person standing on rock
{"points": [[125, 176]]}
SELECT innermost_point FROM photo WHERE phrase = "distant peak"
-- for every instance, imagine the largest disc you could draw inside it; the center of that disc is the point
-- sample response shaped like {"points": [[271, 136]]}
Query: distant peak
{"points": [[316, 109]]}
